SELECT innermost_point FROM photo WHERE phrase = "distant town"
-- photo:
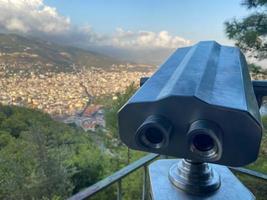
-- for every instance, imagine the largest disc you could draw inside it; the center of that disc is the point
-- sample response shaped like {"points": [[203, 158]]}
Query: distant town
{"points": [[64, 81], [65, 94], [62, 93]]}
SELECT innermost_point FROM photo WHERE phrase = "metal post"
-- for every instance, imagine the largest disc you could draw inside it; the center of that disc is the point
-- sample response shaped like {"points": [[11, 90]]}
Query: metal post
{"points": [[194, 177], [144, 183], [163, 156], [119, 194], [178, 179]]}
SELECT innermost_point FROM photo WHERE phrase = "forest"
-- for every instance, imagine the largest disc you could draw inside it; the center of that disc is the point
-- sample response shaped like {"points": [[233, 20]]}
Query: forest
{"points": [[44, 159]]}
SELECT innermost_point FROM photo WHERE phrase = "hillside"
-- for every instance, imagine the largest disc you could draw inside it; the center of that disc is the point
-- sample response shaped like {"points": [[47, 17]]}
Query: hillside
{"points": [[45, 159], [19, 53], [42, 158], [149, 56]]}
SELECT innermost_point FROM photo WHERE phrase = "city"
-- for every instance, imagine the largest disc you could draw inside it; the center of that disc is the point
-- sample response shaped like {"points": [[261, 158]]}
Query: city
{"points": [[64, 93]]}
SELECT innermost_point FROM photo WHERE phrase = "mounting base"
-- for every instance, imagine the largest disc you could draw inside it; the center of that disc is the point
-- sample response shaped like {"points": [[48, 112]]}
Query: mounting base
{"points": [[162, 187], [194, 177]]}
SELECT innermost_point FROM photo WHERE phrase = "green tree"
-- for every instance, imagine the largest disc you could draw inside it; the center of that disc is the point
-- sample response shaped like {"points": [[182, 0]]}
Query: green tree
{"points": [[88, 164], [14, 125], [250, 33], [50, 176], [16, 165], [44, 159], [113, 108]]}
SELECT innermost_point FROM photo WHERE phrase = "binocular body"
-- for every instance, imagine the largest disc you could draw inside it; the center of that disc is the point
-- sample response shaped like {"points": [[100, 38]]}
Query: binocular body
{"points": [[199, 105]]}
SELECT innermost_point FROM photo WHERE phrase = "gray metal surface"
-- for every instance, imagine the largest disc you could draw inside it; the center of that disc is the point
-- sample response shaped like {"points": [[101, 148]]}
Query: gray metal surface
{"points": [[163, 189], [204, 82], [119, 192]]}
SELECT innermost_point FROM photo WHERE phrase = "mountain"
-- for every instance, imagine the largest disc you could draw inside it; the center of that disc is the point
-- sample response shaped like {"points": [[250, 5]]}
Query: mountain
{"points": [[148, 56], [28, 53]]}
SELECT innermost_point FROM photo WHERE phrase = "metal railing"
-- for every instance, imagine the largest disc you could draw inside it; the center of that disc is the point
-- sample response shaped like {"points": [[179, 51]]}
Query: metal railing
{"points": [[250, 172], [117, 178], [141, 163]]}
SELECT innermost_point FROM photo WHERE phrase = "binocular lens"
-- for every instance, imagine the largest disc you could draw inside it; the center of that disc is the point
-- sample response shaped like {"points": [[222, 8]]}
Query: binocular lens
{"points": [[154, 135], [203, 142], [154, 132]]}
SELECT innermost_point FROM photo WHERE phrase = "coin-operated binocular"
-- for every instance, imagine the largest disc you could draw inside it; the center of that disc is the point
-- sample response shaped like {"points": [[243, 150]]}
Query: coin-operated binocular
{"points": [[200, 105]]}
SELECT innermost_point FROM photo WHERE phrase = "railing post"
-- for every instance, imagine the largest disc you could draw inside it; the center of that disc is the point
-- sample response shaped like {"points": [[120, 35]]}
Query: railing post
{"points": [[144, 192], [163, 156], [119, 194]]}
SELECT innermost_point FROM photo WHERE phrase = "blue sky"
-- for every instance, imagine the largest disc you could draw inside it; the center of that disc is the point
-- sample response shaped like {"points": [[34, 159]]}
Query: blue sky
{"points": [[193, 20], [134, 25]]}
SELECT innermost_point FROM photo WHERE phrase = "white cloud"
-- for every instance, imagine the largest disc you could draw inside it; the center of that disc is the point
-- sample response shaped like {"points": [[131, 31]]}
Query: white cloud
{"points": [[31, 16], [16, 24], [35, 18], [147, 39]]}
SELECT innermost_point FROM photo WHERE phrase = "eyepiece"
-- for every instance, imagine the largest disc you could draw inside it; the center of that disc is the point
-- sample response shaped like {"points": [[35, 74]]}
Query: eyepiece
{"points": [[205, 141], [154, 135], [154, 132]]}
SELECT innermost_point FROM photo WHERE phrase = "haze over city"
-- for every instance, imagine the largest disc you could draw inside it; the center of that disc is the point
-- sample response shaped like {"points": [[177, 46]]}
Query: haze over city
{"points": [[123, 29]]}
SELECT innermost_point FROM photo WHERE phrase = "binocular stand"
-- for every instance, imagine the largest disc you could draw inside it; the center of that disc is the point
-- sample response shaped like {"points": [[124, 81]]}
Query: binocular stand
{"points": [[181, 179]]}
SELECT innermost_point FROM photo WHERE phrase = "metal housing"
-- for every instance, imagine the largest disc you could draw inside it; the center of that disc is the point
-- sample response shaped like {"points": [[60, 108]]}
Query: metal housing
{"points": [[205, 82]]}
